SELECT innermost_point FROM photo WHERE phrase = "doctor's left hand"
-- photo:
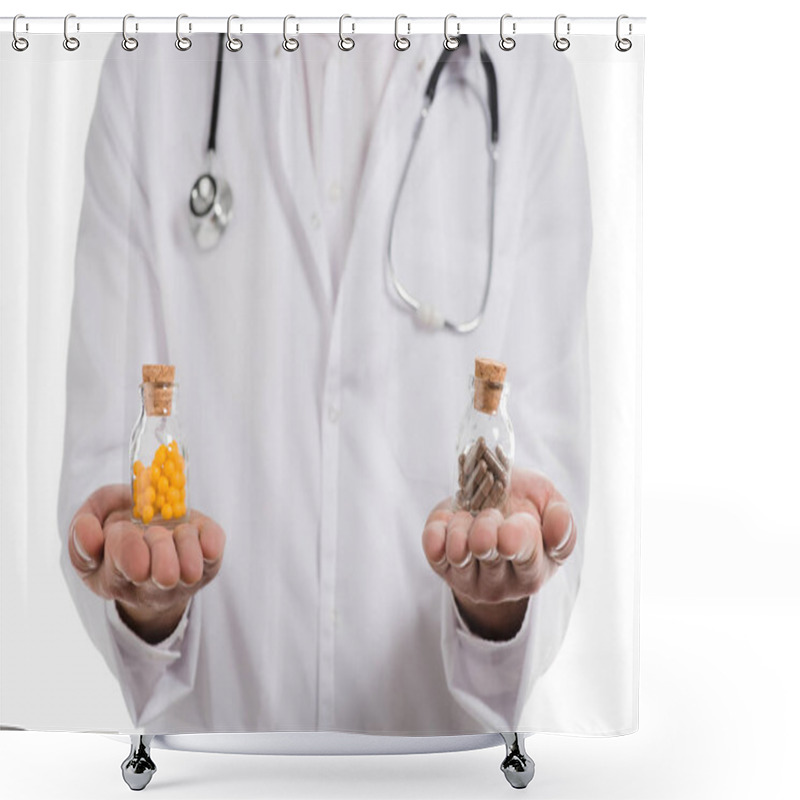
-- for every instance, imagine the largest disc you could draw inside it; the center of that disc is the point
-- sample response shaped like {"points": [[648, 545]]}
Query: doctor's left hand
{"points": [[151, 573], [492, 563]]}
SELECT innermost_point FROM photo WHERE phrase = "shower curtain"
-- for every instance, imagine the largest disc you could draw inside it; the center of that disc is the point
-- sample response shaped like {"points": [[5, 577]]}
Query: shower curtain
{"points": [[315, 244]]}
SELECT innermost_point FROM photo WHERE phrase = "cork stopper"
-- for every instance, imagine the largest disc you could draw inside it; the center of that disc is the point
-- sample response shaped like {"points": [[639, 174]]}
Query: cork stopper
{"points": [[158, 380], [489, 378]]}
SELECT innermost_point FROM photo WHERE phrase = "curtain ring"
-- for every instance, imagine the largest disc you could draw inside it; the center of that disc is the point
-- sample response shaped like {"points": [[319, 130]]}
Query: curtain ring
{"points": [[507, 42], [401, 42], [561, 43], [451, 42], [129, 43], [183, 43], [233, 44], [290, 44], [18, 42], [623, 45], [71, 43], [346, 42]]}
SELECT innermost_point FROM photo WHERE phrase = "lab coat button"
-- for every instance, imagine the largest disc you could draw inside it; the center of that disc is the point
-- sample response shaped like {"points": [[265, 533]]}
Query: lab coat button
{"points": [[334, 192], [333, 414], [315, 221]]}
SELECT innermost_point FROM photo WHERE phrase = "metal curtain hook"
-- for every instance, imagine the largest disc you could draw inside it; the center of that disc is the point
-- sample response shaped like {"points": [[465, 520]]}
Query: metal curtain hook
{"points": [[451, 42], [561, 43], [507, 42], [71, 43], [345, 42], [623, 45], [233, 44], [19, 43], [129, 43], [182, 42], [401, 42], [290, 44]]}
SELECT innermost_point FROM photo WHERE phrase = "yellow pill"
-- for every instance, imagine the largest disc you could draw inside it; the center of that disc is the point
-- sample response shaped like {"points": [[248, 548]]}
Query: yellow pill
{"points": [[160, 500], [137, 467], [173, 446], [161, 456], [179, 481], [149, 495], [169, 469], [143, 480], [173, 496], [163, 485], [180, 464], [155, 473], [148, 512], [166, 511], [136, 512], [179, 509], [183, 493]]}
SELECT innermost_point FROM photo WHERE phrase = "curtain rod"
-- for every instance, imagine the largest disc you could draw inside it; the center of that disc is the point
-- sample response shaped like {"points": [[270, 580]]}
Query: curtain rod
{"points": [[515, 26]]}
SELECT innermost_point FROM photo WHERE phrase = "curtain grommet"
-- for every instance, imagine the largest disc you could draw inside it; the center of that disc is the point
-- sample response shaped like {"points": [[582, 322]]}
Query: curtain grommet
{"points": [[183, 43], [71, 43], [290, 44], [19, 43], [346, 43], [507, 42], [401, 43], [623, 44], [233, 44], [561, 43], [129, 43], [451, 42]]}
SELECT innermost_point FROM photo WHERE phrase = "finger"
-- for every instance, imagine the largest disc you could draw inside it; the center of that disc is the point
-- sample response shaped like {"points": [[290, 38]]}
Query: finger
{"points": [[433, 543], [212, 540], [165, 570], [86, 543], [456, 540], [559, 533], [190, 555], [86, 539], [127, 556], [519, 537], [483, 535]]}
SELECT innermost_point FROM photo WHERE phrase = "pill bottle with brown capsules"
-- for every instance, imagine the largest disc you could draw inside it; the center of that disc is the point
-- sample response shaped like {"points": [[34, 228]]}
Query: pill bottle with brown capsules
{"points": [[159, 465], [485, 449]]}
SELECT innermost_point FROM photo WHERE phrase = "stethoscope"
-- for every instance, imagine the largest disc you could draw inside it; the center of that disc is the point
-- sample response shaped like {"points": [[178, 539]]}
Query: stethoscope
{"points": [[211, 200]]}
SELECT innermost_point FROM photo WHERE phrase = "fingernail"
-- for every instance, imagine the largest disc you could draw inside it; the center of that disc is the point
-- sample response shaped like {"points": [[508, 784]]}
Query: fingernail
{"points": [[159, 586], [466, 561], [564, 539], [489, 555], [85, 557]]}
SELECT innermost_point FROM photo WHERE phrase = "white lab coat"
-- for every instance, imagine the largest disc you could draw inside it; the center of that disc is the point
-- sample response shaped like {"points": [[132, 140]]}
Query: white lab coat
{"points": [[320, 419]]}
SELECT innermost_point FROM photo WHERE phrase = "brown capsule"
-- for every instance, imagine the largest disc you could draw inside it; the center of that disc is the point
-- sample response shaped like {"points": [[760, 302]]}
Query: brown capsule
{"points": [[462, 476], [482, 492], [495, 496], [501, 454], [475, 479], [475, 452], [494, 464]]}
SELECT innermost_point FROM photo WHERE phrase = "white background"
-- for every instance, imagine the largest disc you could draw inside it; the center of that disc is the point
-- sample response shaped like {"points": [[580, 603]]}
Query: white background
{"points": [[720, 601]]}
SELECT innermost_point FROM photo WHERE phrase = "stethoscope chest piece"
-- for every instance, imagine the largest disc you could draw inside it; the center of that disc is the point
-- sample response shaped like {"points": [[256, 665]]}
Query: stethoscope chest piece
{"points": [[210, 209]]}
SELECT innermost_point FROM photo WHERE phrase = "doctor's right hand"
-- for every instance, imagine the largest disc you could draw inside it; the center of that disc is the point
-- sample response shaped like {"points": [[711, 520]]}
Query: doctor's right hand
{"points": [[151, 573]]}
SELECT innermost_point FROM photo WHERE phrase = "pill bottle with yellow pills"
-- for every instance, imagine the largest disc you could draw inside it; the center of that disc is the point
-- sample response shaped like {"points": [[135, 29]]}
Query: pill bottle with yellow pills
{"points": [[159, 467], [485, 448]]}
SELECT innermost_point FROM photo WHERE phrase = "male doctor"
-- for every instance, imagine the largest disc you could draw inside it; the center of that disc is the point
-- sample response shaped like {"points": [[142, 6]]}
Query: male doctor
{"points": [[321, 417]]}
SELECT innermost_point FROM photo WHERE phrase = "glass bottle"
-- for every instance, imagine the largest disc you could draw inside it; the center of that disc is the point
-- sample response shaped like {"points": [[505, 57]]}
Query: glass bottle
{"points": [[485, 448], [159, 464]]}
